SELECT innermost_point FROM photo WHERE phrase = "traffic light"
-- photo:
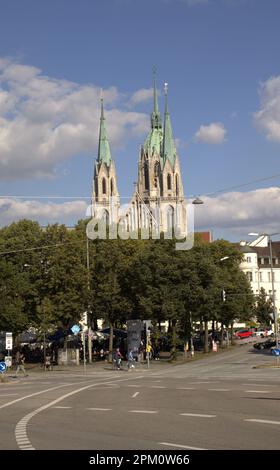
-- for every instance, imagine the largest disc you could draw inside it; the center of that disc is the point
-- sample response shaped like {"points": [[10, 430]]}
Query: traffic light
{"points": [[223, 295]]}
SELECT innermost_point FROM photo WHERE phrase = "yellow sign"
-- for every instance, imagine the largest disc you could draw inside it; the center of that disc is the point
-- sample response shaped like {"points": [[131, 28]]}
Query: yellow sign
{"points": [[148, 348]]}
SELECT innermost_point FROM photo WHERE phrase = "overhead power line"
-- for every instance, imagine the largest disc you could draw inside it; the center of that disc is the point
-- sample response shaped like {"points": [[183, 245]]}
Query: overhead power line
{"points": [[213, 193]]}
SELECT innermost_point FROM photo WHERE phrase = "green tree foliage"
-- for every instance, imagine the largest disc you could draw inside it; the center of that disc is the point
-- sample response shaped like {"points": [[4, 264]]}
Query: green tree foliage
{"points": [[263, 308], [46, 280]]}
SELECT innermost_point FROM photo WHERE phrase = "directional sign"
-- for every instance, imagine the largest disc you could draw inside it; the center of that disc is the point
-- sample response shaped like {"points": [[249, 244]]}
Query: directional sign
{"points": [[3, 367], [75, 329], [275, 352], [8, 361]]}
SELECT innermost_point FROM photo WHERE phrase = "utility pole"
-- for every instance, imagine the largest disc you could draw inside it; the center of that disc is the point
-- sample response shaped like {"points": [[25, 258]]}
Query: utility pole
{"points": [[273, 293], [88, 314]]}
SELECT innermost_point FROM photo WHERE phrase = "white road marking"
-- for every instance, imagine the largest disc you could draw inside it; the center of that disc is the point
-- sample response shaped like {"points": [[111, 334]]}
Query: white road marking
{"points": [[195, 383], [62, 407], [185, 388], [196, 415], [143, 411], [133, 386], [218, 389], [181, 446], [99, 409], [257, 391], [157, 386], [9, 395], [258, 385], [21, 427], [135, 394], [265, 421]]}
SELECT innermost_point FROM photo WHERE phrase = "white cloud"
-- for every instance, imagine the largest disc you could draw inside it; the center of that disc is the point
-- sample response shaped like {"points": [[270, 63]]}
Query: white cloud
{"points": [[213, 133], [252, 211], [234, 213], [268, 117], [12, 210], [44, 121], [142, 95]]}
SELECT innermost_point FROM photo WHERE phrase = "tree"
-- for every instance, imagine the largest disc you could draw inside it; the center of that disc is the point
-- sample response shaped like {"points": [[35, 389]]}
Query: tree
{"points": [[263, 308]]}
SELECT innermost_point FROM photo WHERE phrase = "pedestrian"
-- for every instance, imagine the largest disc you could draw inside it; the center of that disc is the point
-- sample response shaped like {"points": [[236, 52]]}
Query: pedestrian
{"points": [[156, 352], [130, 360], [117, 359], [20, 359]]}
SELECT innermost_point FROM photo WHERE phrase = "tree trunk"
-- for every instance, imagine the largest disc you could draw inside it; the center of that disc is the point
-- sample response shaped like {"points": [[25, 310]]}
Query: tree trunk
{"points": [[231, 334], [174, 341], [206, 348], [111, 342]]}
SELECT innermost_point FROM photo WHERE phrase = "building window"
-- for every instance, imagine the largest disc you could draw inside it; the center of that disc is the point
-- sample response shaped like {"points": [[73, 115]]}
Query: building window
{"points": [[248, 259], [269, 277], [261, 277], [112, 186], [104, 189], [169, 181], [146, 174], [177, 184], [249, 275], [262, 260], [276, 261], [105, 217], [170, 219]]}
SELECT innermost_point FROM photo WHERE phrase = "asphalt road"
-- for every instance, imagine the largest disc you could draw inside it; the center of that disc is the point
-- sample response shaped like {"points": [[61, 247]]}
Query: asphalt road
{"points": [[220, 402]]}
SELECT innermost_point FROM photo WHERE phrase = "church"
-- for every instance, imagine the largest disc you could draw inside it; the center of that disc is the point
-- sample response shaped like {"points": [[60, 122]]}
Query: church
{"points": [[157, 204]]}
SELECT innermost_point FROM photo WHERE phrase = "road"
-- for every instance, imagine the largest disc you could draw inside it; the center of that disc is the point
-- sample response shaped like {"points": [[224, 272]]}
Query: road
{"points": [[220, 402]]}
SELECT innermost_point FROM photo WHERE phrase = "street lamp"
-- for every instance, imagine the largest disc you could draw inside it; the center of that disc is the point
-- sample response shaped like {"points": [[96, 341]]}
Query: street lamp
{"points": [[197, 201], [269, 235]]}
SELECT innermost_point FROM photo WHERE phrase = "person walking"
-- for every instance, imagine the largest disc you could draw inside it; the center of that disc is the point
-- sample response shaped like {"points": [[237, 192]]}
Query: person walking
{"points": [[130, 360], [117, 359], [20, 359]]}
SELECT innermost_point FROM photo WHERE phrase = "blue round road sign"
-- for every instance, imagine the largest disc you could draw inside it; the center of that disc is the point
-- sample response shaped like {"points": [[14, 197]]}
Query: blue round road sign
{"points": [[75, 329], [3, 367]]}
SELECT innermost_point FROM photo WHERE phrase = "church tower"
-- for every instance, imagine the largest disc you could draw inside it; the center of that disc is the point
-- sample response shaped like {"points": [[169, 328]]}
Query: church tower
{"points": [[105, 197], [158, 200], [173, 210]]}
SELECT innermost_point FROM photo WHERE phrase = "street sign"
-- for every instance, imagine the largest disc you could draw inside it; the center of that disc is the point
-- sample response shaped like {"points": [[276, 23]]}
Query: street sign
{"points": [[9, 341], [3, 367], [75, 329], [275, 352], [8, 361]]}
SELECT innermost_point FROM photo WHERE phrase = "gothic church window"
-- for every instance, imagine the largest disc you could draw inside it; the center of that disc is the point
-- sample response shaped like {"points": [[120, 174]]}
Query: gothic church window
{"points": [[177, 185], [170, 219], [105, 217], [146, 174], [104, 189], [169, 181], [112, 186]]}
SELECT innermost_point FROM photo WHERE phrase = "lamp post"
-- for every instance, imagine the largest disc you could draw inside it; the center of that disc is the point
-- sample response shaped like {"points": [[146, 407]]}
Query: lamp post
{"points": [[269, 235], [88, 317]]}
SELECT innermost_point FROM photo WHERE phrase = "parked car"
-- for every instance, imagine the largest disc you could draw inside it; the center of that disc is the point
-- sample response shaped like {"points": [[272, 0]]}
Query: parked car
{"points": [[269, 343], [245, 333], [264, 332]]}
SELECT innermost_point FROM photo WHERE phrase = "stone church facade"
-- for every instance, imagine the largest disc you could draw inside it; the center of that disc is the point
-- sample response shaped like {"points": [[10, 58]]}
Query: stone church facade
{"points": [[158, 203]]}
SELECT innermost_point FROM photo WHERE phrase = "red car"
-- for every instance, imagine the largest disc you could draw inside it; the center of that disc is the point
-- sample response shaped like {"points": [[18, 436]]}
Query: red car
{"points": [[244, 333]]}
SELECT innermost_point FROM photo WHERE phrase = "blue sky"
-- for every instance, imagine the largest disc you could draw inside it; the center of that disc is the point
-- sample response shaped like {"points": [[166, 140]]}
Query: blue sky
{"points": [[221, 60]]}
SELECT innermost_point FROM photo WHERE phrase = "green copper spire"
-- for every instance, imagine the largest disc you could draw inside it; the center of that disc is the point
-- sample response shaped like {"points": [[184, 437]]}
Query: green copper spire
{"points": [[104, 154], [168, 145], [155, 116]]}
